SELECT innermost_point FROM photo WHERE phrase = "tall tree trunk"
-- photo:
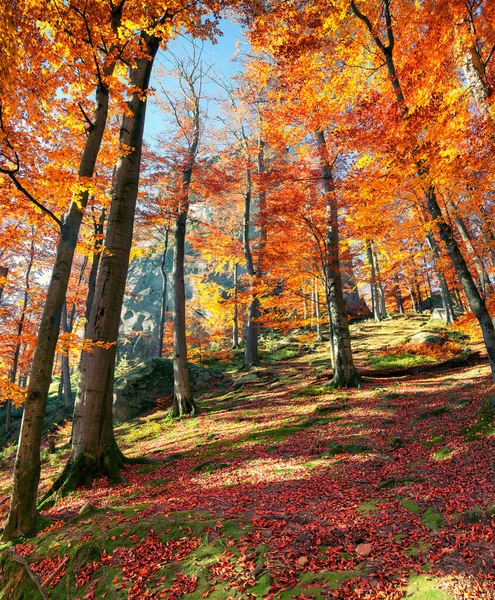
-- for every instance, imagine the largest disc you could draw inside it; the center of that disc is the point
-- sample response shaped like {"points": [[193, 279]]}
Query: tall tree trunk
{"points": [[398, 296], [251, 350], [95, 262], [476, 302], [22, 512], [94, 450], [344, 371], [381, 291], [486, 287], [375, 307], [67, 389], [4, 271], [444, 288], [163, 307], [183, 403], [319, 331], [20, 328], [235, 317]]}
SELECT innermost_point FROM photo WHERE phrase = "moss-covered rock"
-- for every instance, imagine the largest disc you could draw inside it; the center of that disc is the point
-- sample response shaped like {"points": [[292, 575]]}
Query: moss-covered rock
{"points": [[136, 392]]}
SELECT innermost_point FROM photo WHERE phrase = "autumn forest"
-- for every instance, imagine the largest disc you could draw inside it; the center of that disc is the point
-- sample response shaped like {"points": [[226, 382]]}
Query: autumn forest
{"points": [[247, 299]]}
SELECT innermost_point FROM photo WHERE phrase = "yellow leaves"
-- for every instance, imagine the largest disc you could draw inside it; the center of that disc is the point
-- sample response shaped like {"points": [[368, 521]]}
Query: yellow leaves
{"points": [[364, 161]]}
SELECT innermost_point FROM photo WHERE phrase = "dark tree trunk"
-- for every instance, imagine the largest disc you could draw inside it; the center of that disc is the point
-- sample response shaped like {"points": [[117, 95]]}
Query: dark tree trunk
{"points": [[319, 331], [344, 371], [20, 328], [163, 307], [65, 379], [398, 296], [94, 450], [375, 307], [251, 351], [183, 403], [23, 512], [235, 317], [444, 288], [95, 262], [4, 271]]}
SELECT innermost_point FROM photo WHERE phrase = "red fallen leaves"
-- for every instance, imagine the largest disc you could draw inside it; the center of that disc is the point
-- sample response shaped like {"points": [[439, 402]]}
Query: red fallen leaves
{"points": [[24, 549], [184, 584], [86, 573], [50, 570]]}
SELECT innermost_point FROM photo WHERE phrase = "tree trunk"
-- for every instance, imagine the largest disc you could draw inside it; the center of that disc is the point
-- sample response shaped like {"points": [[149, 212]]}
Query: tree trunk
{"points": [[183, 403], [4, 271], [398, 296], [163, 308], [444, 288], [486, 287], [381, 291], [94, 450], [235, 317], [375, 307], [95, 262], [319, 332], [344, 371], [22, 512], [251, 351], [67, 389]]}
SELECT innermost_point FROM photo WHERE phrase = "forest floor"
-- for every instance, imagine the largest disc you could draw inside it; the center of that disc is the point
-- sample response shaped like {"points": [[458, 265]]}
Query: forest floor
{"points": [[283, 489]]}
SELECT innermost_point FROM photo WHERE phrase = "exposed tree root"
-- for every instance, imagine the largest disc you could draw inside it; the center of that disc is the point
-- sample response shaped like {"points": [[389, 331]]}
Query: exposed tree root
{"points": [[183, 407], [82, 471]]}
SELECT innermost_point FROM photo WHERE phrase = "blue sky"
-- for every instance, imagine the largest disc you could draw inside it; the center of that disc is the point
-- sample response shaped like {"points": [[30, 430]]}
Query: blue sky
{"points": [[219, 55]]}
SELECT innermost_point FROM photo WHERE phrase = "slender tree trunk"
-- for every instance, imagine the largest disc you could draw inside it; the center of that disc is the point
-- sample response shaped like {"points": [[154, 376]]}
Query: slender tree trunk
{"points": [[398, 296], [95, 262], [374, 292], [235, 317], [251, 351], [67, 389], [444, 288], [4, 271], [319, 331], [94, 450], [183, 403], [20, 328], [344, 371], [383, 306], [486, 287], [163, 308], [22, 512]]}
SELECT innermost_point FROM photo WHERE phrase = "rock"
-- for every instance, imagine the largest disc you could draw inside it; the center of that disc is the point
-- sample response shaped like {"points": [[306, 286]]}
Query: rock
{"points": [[427, 337], [363, 549], [136, 392], [302, 561], [250, 377]]}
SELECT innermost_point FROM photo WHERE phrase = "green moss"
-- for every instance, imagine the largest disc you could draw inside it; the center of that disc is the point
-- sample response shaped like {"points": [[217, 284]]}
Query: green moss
{"points": [[443, 453], [433, 519], [327, 579], [425, 587], [437, 439], [283, 354], [369, 507], [417, 548], [397, 361], [410, 506], [338, 448], [435, 412]]}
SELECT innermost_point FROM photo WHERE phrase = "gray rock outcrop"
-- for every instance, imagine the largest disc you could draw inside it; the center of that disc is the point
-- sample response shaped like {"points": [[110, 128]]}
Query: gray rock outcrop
{"points": [[136, 392]]}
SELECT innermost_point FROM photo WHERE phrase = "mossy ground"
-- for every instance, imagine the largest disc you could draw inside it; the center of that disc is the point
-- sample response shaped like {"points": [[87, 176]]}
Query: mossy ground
{"points": [[282, 488]]}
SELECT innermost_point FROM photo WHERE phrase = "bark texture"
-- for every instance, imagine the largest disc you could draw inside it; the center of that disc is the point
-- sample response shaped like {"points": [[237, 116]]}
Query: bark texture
{"points": [[344, 371], [94, 450], [22, 511]]}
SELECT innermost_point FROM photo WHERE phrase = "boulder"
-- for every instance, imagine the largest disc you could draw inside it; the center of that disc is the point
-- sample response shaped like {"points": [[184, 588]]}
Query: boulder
{"points": [[427, 337], [136, 392]]}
